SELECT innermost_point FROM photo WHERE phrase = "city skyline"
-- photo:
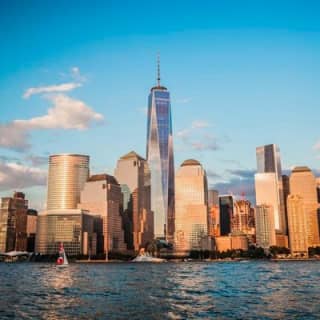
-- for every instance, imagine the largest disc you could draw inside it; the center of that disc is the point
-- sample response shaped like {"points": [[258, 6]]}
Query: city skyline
{"points": [[105, 75]]}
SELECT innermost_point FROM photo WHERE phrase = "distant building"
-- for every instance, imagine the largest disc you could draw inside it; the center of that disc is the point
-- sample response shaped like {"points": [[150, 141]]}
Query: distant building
{"points": [[32, 216], [191, 207], [240, 219], [213, 197], [13, 223], [297, 222], [75, 228], [286, 192], [102, 196], [133, 174], [67, 176], [226, 214], [160, 160], [265, 230], [268, 161], [303, 183], [213, 213]]}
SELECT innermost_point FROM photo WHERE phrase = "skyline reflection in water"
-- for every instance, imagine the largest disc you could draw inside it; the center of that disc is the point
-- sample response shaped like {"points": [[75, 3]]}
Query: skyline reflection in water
{"points": [[224, 290]]}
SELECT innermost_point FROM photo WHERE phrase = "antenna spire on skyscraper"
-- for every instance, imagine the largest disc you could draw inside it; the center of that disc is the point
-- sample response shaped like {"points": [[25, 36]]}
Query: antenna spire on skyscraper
{"points": [[158, 65]]}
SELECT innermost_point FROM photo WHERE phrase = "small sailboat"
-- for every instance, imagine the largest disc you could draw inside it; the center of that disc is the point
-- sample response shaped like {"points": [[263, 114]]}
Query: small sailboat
{"points": [[62, 260]]}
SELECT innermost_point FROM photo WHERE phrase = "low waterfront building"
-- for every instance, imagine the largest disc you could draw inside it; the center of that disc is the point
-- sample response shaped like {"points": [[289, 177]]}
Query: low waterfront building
{"points": [[77, 229], [236, 241]]}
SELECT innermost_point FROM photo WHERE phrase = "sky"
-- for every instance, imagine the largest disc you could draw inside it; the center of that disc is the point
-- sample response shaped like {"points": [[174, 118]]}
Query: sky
{"points": [[75, 77]]}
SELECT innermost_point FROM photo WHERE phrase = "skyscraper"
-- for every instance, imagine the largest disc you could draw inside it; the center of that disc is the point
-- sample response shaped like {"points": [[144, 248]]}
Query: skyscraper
{"points": [[191, 214], [268, 161], [160, 160], [265, 231], [133, 175], [297, 223], [67, 176], [303, 183], [226, 214]]}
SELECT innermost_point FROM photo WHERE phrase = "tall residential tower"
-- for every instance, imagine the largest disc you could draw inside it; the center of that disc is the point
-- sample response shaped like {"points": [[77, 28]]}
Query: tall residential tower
{"points": [[160, 160]]}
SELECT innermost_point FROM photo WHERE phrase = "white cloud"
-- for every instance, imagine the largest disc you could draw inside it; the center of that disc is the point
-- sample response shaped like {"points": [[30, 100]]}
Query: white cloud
{"points": [[66, 113], [64, 87], [17, 176], [198, 124]]}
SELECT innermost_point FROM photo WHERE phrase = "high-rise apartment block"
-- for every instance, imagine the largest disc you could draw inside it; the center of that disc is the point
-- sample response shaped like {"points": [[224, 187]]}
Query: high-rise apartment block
{"points": [[191, 207], [133, 175]]}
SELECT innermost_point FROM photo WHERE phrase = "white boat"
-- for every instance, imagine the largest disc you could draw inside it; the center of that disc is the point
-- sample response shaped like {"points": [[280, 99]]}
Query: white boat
{"points": [[146, 257], [62, 260]]}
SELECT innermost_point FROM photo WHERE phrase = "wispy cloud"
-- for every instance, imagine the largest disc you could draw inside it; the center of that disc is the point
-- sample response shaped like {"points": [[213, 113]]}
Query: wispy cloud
{"points": [[241, 181], [14, 176], [198, 139], [64, 87]]}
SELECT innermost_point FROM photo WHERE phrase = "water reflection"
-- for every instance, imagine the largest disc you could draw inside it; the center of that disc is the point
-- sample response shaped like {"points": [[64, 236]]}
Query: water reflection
{"points": [[255, 290]]}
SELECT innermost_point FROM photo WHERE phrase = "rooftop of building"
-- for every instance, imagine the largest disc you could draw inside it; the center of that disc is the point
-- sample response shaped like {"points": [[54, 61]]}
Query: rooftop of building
{"points": [[190, 162], [69, 154], [130, 155], [103, 177], [301, 169], [161, 88]]}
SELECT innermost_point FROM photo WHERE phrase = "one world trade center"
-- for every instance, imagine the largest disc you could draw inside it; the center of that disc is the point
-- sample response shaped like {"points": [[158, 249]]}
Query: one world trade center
{"points": [[160, 160]]}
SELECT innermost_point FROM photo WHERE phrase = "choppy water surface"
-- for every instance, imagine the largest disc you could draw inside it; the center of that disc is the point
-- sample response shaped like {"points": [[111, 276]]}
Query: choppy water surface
{"points": [[224, 290]]}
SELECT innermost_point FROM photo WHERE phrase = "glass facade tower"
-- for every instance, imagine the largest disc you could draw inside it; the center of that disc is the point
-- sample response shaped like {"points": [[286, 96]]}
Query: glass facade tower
{"points": [[268, 161], [160, 160]]}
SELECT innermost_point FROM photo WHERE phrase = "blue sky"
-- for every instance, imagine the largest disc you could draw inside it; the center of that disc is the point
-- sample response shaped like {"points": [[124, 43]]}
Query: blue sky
{"points": [[241, 74]]}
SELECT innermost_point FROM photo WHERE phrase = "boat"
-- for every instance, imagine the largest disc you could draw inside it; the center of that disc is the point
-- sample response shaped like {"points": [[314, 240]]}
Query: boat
{"points": [[146, 257], [62, 260]]}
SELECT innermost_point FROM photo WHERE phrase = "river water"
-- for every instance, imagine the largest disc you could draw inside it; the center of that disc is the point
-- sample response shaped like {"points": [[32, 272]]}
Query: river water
{"points": [[191, 290]]}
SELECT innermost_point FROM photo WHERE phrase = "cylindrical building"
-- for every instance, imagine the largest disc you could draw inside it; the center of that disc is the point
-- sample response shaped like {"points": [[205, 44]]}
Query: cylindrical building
{"points": [[67, 176]]}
